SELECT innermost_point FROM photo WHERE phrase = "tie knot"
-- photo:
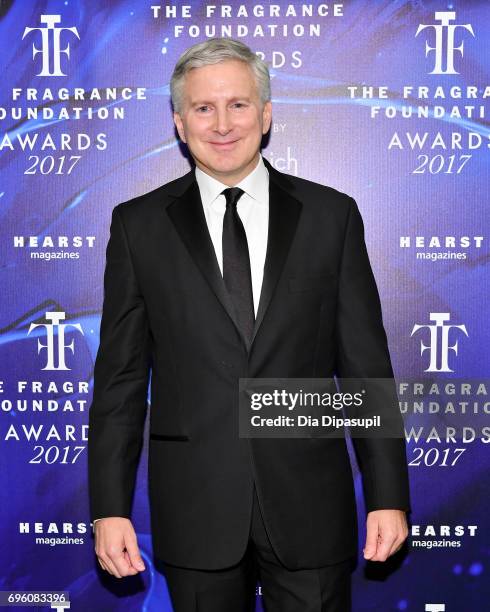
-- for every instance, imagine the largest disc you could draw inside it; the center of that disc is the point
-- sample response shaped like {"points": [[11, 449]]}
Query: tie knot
{"points": [[232, 195]]}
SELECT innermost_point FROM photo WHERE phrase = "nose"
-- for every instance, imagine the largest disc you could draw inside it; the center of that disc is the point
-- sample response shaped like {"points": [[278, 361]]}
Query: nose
{"points": [[223, 121]]}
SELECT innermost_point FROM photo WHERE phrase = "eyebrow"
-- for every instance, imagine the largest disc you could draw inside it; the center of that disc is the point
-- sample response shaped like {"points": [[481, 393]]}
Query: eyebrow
{"points": [[234, 99]]}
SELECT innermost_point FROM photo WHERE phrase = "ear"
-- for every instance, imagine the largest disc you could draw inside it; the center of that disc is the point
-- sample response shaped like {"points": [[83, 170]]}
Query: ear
{"points": [[266, 117], [180, 126]]}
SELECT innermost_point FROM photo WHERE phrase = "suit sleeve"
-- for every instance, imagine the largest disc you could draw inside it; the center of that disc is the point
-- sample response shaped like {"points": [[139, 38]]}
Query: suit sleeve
{"points": [[362, 352], [121, 374]]}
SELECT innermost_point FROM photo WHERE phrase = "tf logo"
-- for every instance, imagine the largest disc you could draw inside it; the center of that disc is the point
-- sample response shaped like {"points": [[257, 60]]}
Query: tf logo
{"points": [[55, 340], [51, 44], [445, 46]]}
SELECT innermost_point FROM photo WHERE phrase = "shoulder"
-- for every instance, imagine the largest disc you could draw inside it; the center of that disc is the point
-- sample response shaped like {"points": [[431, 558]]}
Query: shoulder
{"points": [[152, 201], [318, 198]]}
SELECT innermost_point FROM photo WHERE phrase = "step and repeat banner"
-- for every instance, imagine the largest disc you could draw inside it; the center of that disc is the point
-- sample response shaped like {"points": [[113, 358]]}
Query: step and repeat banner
{"points": [[386, 101]]}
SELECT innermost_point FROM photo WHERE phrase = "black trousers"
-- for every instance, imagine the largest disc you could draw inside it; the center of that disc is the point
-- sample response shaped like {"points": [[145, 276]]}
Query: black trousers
{"points": [[325, 589]]}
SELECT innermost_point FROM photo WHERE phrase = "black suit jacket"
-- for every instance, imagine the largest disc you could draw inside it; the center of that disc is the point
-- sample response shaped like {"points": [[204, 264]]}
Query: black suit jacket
{"points": [[166, 308]]}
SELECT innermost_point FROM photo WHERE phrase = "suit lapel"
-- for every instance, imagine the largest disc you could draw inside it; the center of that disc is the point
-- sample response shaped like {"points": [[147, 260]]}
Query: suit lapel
{"points": [[284, 211], [187, 214]]}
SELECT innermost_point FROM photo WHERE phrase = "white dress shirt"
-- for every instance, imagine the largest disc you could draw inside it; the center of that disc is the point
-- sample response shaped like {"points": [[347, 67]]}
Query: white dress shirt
{"points": [[253, 210]]}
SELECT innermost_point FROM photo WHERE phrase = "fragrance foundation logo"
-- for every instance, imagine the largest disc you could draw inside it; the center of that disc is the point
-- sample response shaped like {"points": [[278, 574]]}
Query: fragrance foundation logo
{"points": [[49, 407], [457, 114], [439, 347], [442, 418], [249, 20], [57, 49], [444, 48], [51, 50], [55, 350], [450, 413]]}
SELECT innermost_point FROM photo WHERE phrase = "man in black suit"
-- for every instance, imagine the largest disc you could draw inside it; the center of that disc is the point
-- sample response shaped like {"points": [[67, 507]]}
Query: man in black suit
{"points": [[236, 270]]}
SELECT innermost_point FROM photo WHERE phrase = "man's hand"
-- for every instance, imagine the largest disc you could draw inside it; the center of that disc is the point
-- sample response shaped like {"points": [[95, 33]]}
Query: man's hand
{"points": [[386, 532], [116, 547]]}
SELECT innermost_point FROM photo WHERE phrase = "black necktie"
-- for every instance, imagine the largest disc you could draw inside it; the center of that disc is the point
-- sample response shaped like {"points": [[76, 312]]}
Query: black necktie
{"points": [[236, 263]]}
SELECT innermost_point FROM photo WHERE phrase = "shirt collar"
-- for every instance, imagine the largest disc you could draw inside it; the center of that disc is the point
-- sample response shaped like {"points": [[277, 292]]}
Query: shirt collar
{"points": [[255, 184]]}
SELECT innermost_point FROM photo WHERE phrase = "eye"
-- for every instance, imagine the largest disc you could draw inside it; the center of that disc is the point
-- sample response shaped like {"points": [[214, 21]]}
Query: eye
{"points": [[239, 104], [200, 108]]}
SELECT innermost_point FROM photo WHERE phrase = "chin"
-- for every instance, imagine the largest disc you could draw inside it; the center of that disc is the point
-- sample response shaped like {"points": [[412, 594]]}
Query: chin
{"points": [[225, 165], [225, 170]]}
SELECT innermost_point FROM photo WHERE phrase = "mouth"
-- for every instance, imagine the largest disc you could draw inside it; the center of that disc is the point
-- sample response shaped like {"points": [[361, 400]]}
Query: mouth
{"points": [[224, 146]]}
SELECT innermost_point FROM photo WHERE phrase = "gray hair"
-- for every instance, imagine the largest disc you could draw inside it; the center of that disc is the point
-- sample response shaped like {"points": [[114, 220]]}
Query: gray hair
{"points": [[213, 51]]}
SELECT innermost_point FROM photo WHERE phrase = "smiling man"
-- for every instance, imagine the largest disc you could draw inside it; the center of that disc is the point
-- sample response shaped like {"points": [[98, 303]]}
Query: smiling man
{"points": [[221, 118], [236, 270]]}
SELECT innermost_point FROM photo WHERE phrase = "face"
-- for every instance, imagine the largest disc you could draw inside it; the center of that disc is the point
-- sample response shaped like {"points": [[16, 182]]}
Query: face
{"points": [[222, 119]]}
